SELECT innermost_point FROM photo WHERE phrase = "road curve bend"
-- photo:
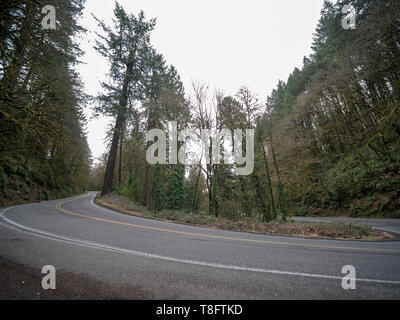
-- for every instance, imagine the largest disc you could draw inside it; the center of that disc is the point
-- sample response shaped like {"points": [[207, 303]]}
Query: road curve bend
{"points": [[172, 261]]}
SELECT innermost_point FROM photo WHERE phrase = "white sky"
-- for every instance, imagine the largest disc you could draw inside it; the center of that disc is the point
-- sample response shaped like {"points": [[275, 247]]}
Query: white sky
{"points": [[225, 43]]}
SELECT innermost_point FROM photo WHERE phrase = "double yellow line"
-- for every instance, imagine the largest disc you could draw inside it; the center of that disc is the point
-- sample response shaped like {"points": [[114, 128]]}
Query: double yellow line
{"points": [[210, 236]]}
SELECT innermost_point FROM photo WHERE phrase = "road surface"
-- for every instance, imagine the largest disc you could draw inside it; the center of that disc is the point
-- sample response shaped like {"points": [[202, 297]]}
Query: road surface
{"points": [[160, 260]]}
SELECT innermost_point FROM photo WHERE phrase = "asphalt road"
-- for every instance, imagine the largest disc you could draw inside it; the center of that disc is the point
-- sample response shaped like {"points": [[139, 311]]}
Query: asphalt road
{"points": [[160, 260]]}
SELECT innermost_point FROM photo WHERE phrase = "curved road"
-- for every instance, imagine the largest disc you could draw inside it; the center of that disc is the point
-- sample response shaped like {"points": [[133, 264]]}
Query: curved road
{"points": [[163, 260]]}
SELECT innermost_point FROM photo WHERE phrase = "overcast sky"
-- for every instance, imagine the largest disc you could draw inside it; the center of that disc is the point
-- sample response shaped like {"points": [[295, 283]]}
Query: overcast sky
{"points": [[225, 43]]}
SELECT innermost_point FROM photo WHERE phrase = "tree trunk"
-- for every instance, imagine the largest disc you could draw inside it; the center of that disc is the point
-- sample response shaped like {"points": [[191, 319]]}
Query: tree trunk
{"points": [[119, 125], [120, 158], [195, 191], [268, 174], [146, 186], [109, 176], [215, 191], [260, 197]]}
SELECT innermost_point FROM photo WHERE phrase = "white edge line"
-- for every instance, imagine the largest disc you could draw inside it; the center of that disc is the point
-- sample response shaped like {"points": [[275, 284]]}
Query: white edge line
{"points": [[96, 245]]}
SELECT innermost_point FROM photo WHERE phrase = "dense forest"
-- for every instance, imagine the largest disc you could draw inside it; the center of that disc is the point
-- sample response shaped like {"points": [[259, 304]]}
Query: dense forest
{"points": [[43, 149], [327, 140], [335, 124]]}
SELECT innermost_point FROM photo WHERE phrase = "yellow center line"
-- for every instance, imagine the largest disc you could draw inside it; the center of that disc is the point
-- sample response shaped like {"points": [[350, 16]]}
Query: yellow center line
{"points": [[58, 207]]}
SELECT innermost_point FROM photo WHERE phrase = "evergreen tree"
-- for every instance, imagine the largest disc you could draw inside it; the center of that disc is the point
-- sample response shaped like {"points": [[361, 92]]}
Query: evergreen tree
{"points": [[127, 49], [41, 99]]}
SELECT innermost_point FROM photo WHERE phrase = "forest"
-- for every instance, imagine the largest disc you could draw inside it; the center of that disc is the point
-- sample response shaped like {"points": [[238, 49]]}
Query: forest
{"points": [[327, 140], [44, 153]]}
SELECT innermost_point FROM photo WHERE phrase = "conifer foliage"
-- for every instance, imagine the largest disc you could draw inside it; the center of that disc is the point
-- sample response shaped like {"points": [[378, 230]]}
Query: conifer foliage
{"points": [[43, 148]]}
